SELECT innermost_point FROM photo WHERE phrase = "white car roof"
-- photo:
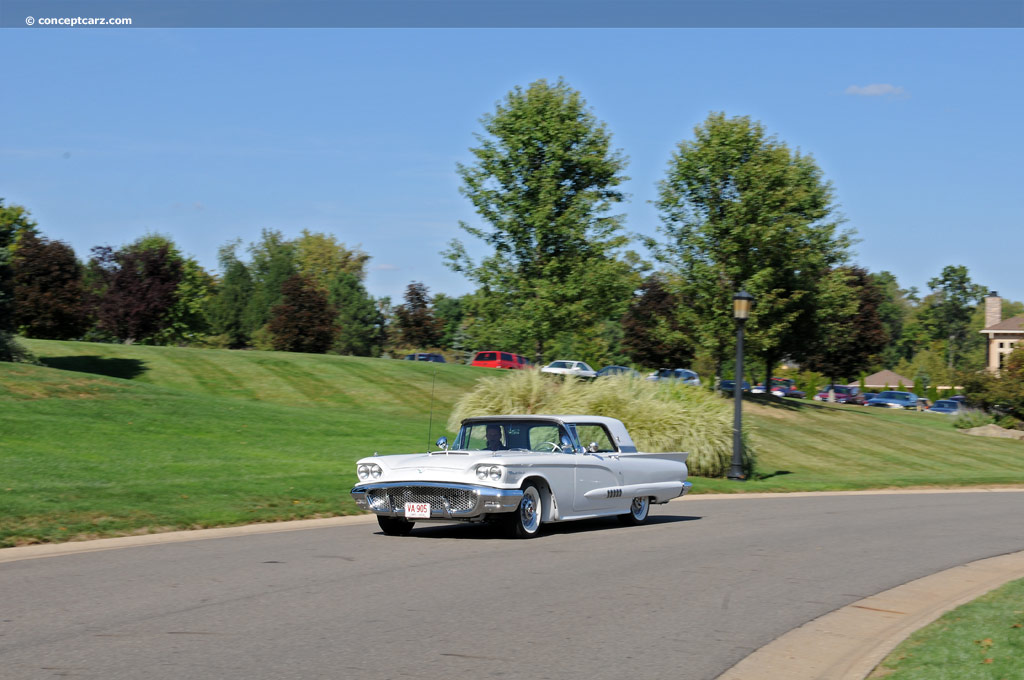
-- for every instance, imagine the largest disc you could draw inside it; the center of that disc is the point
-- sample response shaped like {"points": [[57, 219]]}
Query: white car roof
{"points": [[615, 427]]}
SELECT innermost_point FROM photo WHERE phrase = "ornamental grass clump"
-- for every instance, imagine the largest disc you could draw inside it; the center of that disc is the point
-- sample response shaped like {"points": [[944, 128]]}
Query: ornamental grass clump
{"points": [[660, 416]]}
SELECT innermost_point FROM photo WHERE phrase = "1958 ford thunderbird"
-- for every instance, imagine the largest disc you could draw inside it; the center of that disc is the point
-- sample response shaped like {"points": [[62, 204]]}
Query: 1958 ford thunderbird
{"points": [[521, 471]]}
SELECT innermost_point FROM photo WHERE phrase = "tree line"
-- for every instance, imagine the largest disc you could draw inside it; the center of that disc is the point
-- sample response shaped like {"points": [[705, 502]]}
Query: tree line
{"points": [[738, 210]]}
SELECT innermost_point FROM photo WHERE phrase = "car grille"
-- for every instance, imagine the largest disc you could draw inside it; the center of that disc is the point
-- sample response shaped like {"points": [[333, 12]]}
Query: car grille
{"points": [[458, 500]]}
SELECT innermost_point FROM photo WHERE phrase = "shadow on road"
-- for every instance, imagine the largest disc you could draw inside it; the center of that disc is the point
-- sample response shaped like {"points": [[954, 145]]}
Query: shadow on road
{"points": [[111, 367], [488, 531]]}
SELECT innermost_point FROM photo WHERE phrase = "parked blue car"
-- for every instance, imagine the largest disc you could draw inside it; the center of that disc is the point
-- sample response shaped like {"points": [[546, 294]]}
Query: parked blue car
{"points": [[891, 399], [946, 406]]}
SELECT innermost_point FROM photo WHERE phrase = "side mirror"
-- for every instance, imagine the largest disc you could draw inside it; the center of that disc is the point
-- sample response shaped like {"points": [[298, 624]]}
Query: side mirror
{"points": [[593, 448], [442, 443], [567, 443]]}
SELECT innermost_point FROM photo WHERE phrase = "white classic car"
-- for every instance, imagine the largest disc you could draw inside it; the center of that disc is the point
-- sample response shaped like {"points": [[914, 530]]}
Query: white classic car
{"points": [[521, 471]]}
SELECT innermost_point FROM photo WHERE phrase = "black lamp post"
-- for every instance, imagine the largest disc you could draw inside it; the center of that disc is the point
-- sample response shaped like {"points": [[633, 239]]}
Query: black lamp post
{"points": [[741, 303]]}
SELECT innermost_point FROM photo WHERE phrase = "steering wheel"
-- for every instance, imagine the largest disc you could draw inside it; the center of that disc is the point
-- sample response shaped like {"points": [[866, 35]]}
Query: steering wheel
{"points": [[555, 448]]}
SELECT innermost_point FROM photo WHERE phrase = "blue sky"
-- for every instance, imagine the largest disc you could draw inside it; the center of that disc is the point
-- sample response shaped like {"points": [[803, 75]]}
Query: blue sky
{"points": [[210, 135]]}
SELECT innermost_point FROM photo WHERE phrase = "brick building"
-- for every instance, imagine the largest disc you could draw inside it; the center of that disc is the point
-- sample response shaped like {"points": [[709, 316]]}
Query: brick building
{"points": [[1003, 336]]}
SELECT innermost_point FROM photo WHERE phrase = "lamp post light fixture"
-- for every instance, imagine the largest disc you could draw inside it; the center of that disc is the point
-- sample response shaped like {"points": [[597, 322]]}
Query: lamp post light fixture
{"points": [[741, 303]]}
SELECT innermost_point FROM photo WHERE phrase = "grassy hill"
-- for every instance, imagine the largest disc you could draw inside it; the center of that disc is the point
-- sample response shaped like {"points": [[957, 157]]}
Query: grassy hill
{"points": [[112, 439]]}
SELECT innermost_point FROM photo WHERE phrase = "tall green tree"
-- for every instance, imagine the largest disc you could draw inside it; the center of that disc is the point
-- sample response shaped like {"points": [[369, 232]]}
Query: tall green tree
{"points": [[450, 312], [273, 262], [323, 258], [15, 221], [226, 311], [49, 294], [360, 322], [894, 310], [544, 180], [954, 301], [741, 211]]}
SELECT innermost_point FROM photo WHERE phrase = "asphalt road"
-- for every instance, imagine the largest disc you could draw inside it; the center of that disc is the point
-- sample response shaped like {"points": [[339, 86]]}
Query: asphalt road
{"points": [[685, 597]]}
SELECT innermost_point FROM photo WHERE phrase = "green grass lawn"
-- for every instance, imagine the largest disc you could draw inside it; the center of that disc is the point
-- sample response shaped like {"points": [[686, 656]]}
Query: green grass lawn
{"points": [[981, 640], [112, 440]]}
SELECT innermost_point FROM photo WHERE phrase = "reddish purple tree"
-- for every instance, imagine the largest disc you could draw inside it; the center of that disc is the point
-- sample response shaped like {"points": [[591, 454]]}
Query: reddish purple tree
{"points": [[417, 325], [49, 296], [135, 289], [652, 335], [305, 319]]}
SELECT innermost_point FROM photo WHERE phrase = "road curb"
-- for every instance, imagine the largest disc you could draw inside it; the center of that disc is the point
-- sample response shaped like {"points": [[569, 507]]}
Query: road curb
{"points": [[848, 643], [29, 552]]}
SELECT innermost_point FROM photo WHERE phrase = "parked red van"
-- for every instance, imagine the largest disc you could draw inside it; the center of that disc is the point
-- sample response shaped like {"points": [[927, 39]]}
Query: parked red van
{"points": [[490, 359]]}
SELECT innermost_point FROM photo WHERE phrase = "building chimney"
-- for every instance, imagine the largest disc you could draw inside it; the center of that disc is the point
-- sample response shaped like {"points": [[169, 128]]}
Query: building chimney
{"points": [[993, 309]]}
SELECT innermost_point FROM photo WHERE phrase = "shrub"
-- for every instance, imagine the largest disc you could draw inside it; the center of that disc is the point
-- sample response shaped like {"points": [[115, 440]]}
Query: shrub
{"points": [[972, 418], [661, 417]]}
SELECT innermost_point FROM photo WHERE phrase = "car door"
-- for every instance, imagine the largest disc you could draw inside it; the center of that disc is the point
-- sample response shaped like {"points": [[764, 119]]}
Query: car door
{"points": [[595, 470]]}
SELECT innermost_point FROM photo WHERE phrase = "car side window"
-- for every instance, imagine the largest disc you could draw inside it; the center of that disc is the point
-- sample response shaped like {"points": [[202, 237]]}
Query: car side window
{"points": [[595, 434], [540, 435]]}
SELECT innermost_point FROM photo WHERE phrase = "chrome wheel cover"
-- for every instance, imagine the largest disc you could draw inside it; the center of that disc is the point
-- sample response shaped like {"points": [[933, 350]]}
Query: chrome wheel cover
{"points": [[529, 511], [639, 507]]}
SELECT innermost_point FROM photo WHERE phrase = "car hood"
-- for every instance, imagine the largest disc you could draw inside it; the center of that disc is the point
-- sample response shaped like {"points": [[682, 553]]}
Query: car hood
{"points": [[440, 460]]}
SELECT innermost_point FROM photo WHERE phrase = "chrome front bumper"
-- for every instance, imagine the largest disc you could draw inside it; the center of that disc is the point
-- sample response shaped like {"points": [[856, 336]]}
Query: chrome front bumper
{"points": [[447, 501]]}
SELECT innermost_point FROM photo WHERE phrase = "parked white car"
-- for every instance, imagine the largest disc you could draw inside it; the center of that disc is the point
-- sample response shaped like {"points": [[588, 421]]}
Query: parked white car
{"points": [[521, 471], [580, 369]]}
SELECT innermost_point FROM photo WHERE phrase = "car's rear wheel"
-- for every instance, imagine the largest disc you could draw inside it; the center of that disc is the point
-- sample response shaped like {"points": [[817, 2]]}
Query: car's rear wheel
{"points": [[395, 526], [638, 511], [525, 521]]}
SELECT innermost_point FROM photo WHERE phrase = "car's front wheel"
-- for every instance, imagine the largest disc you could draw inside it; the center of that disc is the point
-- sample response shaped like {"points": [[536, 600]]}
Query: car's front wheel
{"points": [[525, 521], [638, 511], [394, 526]]}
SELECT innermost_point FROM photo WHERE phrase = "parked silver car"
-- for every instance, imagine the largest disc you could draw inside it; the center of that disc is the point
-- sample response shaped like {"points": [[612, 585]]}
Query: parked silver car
{"points": [[580, 369], [684, 375]]}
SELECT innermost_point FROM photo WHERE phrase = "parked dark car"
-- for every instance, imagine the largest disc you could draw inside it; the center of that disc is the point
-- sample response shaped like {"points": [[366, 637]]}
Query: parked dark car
{"points": [[684, 375], [425, 356], [893, 399], [781, 387], [844, 394], [946, 406], [617, 370], [728, 386]]}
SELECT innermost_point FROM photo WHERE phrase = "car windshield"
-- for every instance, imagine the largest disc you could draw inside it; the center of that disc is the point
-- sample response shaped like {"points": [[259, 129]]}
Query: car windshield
{"points": [[541, 436], [894, 395], [559, 364], [946, 404]]}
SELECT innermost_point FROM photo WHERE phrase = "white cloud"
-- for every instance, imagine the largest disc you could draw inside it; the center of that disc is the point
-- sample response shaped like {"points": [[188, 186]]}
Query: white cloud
{"points": [[876, 90]]}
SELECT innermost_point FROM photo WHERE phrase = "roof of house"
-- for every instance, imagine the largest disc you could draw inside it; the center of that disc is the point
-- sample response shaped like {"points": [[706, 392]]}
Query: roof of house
{"points": [[884, 378], [1014, 324]]}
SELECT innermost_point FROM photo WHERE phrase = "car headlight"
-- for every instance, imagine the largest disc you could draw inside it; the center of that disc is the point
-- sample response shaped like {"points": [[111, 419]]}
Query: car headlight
{"points": [[492, 472], [366, 471]]}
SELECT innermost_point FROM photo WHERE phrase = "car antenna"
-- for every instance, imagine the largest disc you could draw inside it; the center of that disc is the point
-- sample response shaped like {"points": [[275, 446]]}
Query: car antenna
{"points": [[430, 422]]}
